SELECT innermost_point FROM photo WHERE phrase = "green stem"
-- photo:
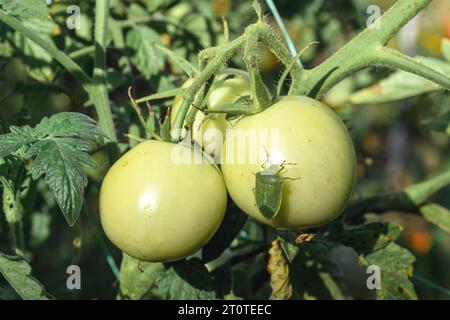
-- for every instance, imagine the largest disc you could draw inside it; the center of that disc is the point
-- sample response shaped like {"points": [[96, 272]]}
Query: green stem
{"points": [[261, 97], [12, 206], [212, 68], [387, 57], [80, 53], [278, 48], [284, 31], [365, 50], [99, 90]]}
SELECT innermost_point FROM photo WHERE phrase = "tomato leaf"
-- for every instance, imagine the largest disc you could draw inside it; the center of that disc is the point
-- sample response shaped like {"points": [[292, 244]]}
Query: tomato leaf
{"points": [[25, 9], [18, 274], [146, 57], [59, 147], [438, 215], [184, 280], [401, 85], [369, 237], [395, 264], [136, 278]]}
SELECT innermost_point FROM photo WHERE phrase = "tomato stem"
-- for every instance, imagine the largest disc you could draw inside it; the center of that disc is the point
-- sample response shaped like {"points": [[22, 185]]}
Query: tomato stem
{"points": [[211, 68]]}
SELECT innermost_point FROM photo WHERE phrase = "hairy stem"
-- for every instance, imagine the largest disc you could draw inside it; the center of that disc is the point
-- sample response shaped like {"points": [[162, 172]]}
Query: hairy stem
{"points": [[212, 68], [390, 58]]}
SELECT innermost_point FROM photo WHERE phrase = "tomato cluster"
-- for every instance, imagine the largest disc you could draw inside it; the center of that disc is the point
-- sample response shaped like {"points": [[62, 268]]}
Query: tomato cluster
{"points": [[155, 207]]}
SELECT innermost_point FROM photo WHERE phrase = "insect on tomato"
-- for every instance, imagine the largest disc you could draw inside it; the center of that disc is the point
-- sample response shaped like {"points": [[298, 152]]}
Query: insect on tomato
{"points": [[268, 188]]}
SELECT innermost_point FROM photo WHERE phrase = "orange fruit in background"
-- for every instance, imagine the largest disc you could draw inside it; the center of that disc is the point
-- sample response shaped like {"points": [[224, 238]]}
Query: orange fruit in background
{"points": [[420, 241]]}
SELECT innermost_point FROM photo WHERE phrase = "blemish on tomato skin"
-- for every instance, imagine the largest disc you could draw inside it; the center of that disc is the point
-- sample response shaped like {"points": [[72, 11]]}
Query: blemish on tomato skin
{"points": [[125, 164], [400, 290]]}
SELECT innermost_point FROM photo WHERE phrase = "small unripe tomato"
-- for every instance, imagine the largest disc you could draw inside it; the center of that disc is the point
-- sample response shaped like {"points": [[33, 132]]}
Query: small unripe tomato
{"points": [[10, 104], [314, 155], [157, 208]]}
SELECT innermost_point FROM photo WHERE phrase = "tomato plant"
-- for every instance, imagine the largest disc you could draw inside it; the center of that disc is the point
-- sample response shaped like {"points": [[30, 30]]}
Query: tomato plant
{"points": [[180, 149]]}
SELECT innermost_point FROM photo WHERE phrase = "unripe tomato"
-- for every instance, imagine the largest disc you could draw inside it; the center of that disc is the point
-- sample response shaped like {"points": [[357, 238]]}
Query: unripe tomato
{"points": [[14, 72], [156, 209], [10, 104], [210, 131], [319, 169]]}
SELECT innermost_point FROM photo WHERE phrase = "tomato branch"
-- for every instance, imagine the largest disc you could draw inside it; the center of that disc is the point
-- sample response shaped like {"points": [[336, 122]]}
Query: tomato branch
{"points": [[367, 49], [99, 90], [390, 58]]}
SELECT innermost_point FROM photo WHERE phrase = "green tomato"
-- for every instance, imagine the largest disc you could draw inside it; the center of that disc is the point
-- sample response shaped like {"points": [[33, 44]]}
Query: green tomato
{"points": [[10, 104], [14, 72], [59, 102], [209, 131], [156, 209], [312, 148]]}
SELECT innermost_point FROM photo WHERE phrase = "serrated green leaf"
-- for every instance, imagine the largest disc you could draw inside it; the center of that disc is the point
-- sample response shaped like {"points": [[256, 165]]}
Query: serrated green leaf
{"points": [[25, 9], [437, 214], [19, 137], [401, 85], [439, 123], [136, 278], [68, 124], [18, 274], [395, 265], [370, 237], [445, 48], [61, 160], [184, 280], [59, 147], [146, 57]]}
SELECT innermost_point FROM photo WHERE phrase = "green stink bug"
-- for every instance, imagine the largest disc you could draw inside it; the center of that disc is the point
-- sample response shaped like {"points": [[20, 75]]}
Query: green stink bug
{"points": [[268, 189]]}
